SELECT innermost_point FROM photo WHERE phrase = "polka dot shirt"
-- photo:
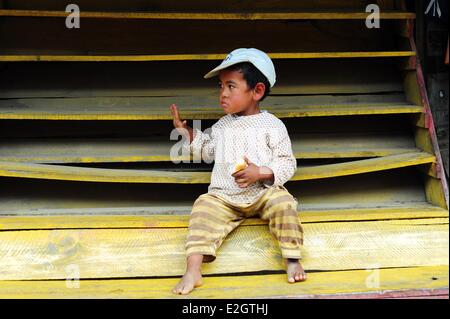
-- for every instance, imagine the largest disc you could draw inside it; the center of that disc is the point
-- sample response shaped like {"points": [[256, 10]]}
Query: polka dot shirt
{"points": [[261, 137]]}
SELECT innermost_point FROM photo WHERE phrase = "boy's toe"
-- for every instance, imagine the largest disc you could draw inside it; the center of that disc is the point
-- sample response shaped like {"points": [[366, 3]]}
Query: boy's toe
{"points": [[186, 290], [178, 290]]}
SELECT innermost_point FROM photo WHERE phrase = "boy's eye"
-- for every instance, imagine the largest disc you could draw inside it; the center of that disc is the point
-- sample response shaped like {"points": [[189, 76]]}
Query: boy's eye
{"points": [[230, 86]]}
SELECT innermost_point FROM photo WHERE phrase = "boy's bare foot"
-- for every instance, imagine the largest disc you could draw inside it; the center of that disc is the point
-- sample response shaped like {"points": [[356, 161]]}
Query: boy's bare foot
{"points": [[189, 281], [295, 271]]}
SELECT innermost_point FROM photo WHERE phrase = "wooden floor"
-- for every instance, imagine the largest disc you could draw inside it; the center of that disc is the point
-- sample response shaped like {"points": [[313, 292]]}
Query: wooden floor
{"points": [[393, 283], [386, 256]]}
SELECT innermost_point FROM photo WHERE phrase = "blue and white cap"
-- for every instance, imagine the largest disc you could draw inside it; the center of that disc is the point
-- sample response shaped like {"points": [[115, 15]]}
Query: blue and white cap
{"points": [[257, 57]]}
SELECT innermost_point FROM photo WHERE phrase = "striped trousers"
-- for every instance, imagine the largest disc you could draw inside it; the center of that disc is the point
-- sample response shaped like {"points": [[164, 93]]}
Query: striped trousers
{"points": [[213, 218]]}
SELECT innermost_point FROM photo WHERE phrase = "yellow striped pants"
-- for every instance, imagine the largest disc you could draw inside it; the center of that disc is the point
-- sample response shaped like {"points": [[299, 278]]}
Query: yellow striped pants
{"points": [[213, 218]]}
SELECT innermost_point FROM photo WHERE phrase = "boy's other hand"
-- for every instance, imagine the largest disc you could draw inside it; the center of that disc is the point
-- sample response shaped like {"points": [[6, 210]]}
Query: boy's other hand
{"points": [[247, 176]]}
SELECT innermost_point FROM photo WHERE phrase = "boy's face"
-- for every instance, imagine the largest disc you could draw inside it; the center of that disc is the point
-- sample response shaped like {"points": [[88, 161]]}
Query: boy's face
{"points": [[234, 93]]}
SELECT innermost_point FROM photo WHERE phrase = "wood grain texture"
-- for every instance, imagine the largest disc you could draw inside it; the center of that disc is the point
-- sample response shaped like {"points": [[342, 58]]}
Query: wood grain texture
{"points": [[71, 173], [200, 5], [196, 106], [211, 15], [398, 188], [99, 219], [434, 192], [162, 114], [194, 57], [113, 253], [432, 280], [95, 150]]}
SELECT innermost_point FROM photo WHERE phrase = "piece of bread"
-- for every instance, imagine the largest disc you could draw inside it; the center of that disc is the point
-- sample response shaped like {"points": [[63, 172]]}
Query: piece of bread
{"points": [[240, 166]]}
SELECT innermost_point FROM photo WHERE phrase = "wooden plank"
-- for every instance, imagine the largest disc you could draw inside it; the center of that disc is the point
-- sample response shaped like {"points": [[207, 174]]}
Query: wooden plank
{"points": [[194, 57], [442, 189], [95, 150], [430, 170], [423, 140], [161, 38], [197, 106], [88, 150], [354, 145], [197, 5], [44, 171], [163, 114], [434, 192], [95, 221], [396, 125], [431, 280], [363, 166], [411, 88], [115, 253], [399, 188], [201, 103], [420, 120], [108, 80], [211, 15]]}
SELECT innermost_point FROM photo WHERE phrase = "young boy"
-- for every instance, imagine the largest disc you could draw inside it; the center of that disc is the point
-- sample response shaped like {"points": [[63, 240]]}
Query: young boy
{"points": [[262, 140]]}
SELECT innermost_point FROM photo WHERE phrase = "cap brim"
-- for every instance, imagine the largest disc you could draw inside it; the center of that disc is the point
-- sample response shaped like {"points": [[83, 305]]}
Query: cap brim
{"points": [[222, 66]]}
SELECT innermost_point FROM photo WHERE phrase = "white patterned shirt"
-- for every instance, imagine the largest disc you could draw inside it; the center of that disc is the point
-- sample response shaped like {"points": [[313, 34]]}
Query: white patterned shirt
{"points": [[262, 138]]}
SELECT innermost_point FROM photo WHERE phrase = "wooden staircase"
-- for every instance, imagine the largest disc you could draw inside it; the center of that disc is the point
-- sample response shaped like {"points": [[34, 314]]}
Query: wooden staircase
{"points": [[88, 190]]}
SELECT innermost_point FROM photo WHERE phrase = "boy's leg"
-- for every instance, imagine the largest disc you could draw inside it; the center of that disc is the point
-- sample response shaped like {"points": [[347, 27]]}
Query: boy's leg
{"points": [[280, 209], [210, 222], [192, 278]]}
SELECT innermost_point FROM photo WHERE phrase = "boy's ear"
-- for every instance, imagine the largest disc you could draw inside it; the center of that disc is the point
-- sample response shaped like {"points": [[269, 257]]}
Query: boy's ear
{"points": [[259, 91]]}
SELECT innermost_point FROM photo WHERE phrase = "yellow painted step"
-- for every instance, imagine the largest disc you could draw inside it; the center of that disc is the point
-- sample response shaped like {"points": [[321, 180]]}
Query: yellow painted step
{"points": [[95, 150], [194, 57], [363, 166], [194, 102], [115, 253], [127, 217], [71, 173], [321, 284], [211, 15], [397, 189], [39, 112]]}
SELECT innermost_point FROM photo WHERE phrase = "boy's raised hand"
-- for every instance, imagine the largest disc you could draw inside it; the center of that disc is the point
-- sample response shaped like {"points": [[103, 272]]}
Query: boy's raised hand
{"points": [[179, 124]]}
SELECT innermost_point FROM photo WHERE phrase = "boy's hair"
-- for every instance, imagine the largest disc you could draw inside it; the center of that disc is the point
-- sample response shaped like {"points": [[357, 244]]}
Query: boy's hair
{"points": [[252, 75]]}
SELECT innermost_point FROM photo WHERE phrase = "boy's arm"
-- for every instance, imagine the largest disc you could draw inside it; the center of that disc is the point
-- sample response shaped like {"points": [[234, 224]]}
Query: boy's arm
{"points": [[201, 144], [266, 175], [284, 164]]}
